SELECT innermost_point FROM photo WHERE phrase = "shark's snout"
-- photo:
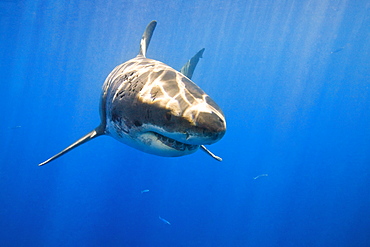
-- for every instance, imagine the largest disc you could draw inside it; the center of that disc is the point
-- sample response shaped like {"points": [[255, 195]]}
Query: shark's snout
{"points": [[211, 127], [206, 128]]}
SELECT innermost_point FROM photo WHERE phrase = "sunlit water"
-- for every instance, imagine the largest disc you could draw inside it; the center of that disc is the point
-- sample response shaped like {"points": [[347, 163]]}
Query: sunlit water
{"points": [[292, 78]]}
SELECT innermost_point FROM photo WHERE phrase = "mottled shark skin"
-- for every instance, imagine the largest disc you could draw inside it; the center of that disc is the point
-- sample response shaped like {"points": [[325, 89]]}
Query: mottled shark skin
{"points": [[150, 106]]}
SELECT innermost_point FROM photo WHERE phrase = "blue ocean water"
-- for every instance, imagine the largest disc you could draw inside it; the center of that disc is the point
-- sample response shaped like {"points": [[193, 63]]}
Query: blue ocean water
{"points": [[292, 78]]}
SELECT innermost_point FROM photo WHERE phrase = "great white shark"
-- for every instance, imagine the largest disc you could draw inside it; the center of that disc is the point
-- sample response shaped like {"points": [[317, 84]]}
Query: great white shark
{"points": [[150, 106]]}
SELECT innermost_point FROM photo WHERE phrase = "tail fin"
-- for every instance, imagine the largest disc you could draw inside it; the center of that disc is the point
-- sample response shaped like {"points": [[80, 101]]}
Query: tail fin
{"points": [[91, 135], [145, 40], [189, 67]]}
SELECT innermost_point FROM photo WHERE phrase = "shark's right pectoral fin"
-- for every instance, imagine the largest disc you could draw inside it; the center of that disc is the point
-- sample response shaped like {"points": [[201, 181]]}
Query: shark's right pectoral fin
{"points": [[89, 136]]}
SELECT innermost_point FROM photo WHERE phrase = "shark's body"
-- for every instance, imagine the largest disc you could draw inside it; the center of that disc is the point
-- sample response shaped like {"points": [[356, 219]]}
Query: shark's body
{"points": [[150, 106]]}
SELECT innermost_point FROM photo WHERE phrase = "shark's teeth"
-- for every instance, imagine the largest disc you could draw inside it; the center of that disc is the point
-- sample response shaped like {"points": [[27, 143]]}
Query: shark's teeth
{"points": [[175, 144]]}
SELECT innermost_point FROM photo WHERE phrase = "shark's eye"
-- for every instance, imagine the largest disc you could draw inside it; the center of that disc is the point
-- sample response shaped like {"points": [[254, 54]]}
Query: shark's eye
{"points": [[137, 123], [168, 116]]}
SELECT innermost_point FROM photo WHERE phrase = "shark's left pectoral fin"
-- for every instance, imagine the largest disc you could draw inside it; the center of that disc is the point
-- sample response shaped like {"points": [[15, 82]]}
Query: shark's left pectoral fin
{"points": [[89, 136], [210, 153]]}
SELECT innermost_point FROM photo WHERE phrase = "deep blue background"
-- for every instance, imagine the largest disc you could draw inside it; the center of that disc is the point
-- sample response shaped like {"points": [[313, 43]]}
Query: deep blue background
{"points": [[293, 78]]}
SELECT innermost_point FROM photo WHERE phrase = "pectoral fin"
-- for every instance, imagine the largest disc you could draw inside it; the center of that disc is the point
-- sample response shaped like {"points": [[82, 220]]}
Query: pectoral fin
{"points": [[91, 135]]}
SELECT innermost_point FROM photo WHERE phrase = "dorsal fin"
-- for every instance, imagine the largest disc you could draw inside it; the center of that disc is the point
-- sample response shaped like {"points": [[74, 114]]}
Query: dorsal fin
{"points": [[145, 40], [188, 69]]}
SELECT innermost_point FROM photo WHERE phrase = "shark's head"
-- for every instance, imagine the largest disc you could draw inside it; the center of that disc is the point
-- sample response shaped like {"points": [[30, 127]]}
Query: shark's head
{"points": [[158, 110]]}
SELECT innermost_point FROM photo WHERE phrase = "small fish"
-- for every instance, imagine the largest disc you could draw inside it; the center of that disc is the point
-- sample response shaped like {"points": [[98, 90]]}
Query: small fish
{"points": [[262, 175], [144, 191], [340, 48], [337, 50], [15, 127], [165, 221]]}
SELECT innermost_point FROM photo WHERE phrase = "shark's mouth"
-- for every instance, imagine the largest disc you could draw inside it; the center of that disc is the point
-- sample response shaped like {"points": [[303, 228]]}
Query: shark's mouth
{"points": [[175, 144]]}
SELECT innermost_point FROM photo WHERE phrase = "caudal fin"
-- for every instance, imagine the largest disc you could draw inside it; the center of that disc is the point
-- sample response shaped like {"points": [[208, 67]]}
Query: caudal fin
{"points": [[91, 135], [189, 67]]}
